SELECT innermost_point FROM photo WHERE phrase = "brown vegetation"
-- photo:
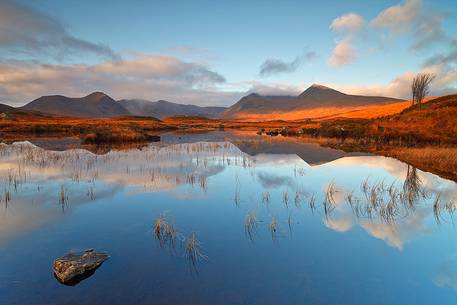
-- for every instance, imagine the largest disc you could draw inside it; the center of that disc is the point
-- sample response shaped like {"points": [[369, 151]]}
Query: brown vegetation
{"points": [[25, 126], [433, 122], [440, 160]]}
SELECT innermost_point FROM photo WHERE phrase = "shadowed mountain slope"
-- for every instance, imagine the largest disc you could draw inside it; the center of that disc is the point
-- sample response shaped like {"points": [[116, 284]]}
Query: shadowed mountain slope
{"points": [[97, 104], [6, 108], [161, 109]]}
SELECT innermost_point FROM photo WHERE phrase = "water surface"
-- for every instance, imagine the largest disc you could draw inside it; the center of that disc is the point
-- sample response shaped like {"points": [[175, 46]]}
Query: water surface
{"points": [[329, 227]]}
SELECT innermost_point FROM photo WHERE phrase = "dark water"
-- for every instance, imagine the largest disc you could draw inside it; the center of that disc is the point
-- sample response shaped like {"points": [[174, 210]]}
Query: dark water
{"points": [[329, 228]]}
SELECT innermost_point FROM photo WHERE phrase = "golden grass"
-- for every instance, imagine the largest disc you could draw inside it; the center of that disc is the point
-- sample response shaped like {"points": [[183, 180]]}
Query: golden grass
{"points": [[436, 159], [193, 249], [165, 231], [321, 113]]}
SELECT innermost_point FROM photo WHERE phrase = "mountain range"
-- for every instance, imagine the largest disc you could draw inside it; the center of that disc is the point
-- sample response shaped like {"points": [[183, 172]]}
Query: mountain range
{"points": [[316, 96], [252, 106], [96, 104], [161, 109]]}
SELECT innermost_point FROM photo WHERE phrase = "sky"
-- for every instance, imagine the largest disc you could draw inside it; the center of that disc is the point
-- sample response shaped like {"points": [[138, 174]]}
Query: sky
{"points": [[214, 52]]}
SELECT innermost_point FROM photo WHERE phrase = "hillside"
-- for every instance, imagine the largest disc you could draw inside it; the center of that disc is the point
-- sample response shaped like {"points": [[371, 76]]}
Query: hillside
{"points": [[96, 104], [434, 122], [161, 109], [6, 108], [315, 102]]}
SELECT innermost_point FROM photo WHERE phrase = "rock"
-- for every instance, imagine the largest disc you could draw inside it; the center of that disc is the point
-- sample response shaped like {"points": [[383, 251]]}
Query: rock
{"points": [[73, 268]]}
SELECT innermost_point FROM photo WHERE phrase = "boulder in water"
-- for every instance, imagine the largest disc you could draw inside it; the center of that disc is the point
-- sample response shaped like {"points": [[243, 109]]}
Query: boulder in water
{"points": [[73, 268]]}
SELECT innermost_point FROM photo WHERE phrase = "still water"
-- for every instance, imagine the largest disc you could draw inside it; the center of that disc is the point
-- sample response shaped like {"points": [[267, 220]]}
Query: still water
{"points": [[277, 221]]}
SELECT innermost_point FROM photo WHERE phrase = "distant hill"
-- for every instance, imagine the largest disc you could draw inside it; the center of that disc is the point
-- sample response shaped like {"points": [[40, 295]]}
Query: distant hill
{"points": [[161, 109], [96, 104], [6, 108], [328, 101]]}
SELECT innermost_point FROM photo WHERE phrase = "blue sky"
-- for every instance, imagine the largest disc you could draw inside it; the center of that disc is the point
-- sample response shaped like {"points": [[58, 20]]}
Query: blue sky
{"points": [[212, 52]]}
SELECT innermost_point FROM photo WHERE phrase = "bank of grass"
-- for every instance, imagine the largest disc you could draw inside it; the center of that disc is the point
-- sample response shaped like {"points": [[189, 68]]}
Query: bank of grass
{"points": [[440, 160], [89, 130]]}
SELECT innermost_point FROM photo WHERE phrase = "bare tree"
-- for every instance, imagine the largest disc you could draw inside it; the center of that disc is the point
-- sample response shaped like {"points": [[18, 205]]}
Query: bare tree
{"points": [[421, 87]]}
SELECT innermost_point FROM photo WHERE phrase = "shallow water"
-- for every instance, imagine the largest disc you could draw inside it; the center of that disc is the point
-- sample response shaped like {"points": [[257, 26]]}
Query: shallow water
{"points": [[329, 227]]}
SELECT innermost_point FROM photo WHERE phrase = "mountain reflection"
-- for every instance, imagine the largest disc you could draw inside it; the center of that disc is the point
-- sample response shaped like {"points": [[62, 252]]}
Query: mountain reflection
{"points": [[384, 197]]}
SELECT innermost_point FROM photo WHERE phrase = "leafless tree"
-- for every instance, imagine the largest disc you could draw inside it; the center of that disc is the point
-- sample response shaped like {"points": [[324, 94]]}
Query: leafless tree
{"points": [[421, 87]]}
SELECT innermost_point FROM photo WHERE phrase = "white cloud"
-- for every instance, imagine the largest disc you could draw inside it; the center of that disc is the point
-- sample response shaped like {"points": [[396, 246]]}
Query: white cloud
{"points": [[398, 17], [348, 22], [400, 87], [342, 54], [270, 88]]}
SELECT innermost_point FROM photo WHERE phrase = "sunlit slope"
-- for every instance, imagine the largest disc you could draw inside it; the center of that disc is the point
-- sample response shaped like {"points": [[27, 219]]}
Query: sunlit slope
{"points": [[321, 113], [316, 102]]}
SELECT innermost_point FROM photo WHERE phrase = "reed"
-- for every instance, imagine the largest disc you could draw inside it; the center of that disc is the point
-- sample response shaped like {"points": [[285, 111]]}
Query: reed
{"points": [[165, 232], [285, 198], [273, 227], [63, 197], [437, 208], [250, 224], [266, 197], [329, 201], [312, 202], [91, 193], [194, 250], [297, 199]]}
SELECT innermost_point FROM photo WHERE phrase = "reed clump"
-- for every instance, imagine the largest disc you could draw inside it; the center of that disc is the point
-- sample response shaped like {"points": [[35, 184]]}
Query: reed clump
{"points": [[165, 232], [193, 249], [274, 227], [251, 224]]}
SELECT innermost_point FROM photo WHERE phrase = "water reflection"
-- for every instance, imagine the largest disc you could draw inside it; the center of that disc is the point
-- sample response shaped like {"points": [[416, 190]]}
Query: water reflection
{"points": [[202, 196], [386, 207]]}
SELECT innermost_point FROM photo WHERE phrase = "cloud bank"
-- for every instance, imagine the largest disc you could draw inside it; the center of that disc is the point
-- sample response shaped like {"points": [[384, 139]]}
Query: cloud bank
{"points": [[143, 76], [30, 32]]}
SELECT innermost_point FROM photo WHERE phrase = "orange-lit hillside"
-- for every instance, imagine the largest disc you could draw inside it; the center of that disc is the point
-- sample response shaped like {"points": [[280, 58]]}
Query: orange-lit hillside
{"points": [[323, 113]]}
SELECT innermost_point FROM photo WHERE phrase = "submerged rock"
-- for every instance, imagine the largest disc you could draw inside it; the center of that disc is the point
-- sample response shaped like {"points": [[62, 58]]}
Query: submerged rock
{"points": [[73, 268]]}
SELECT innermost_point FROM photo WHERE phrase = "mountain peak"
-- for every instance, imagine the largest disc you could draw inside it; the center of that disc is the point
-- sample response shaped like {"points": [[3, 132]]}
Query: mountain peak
{"points": [[97, 94], [320, 92], [318, 86]]}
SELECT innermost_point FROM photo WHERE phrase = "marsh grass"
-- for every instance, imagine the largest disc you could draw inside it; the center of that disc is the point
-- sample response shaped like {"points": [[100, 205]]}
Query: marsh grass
{"points": [[91, 193], [236, 197], [412, 187], [203, 181], [289, 224], [251, 224], [285, 198], [266, 197], [329, 201], [165, 232], [274, 227], [63, 198], [312, 202], [6, 198], [193, 249], [297, 199], [437, 208]]}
